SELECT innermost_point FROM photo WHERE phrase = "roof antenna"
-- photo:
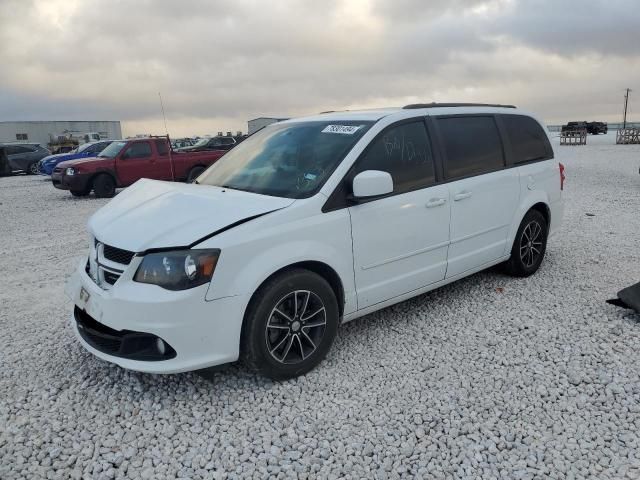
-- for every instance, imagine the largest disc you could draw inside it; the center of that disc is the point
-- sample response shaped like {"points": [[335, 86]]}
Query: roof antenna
{"points": [[163, 115], [173, 172]]}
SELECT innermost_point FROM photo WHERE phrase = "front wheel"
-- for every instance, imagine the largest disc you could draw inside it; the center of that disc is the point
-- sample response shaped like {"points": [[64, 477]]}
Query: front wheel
{"points": [[529, 246], [194, 173], [104, 186], [290, 324]]}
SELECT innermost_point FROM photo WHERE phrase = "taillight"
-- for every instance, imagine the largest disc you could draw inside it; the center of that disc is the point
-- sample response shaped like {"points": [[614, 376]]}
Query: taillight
{"points": [[562, 176]]}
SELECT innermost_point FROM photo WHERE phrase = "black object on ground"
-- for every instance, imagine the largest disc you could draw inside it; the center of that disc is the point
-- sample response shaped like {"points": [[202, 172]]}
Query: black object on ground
{"points": [[628, 298]]}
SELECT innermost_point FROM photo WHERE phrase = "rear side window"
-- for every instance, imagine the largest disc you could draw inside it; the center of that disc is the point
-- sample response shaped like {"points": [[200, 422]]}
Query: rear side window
{"points": [[472, 146], [405, 152], [161, 146], [528, 140]]}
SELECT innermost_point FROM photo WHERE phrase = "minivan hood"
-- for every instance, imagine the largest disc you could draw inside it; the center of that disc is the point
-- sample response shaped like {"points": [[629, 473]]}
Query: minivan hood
{"points": [[155, 214]]}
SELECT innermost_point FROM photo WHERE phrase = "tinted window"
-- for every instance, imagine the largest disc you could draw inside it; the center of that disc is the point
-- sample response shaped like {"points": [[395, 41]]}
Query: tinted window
{"points": [[16, 149], [472, 145], [405, 152], [161, 146], [528, 140], [138, 150]]}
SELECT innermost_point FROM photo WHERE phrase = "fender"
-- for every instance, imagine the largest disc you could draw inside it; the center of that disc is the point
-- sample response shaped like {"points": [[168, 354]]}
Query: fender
{"points": [[266, 251], [531, 198], [109, 171]]}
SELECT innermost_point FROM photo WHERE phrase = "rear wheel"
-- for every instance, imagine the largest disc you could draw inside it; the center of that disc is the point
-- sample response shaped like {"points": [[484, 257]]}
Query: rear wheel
{"points": [[194, 173], [104, 185], [290, 324], [529, 246]]}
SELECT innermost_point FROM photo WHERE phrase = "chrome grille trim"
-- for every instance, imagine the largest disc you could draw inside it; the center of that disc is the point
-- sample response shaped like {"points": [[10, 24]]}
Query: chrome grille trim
{"points": [[105, 270]]}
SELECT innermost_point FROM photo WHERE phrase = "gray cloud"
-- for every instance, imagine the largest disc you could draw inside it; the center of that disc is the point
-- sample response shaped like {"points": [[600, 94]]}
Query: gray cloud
{"points": [[219, 63]]}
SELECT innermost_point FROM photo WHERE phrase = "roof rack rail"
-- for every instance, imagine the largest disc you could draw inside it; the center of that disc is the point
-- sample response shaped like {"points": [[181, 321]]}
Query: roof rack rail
{"points": [[441, 105]]}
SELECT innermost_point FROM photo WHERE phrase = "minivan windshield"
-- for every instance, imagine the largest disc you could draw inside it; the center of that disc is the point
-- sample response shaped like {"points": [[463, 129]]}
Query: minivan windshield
{"points": [[290, 160], [112, 150]]}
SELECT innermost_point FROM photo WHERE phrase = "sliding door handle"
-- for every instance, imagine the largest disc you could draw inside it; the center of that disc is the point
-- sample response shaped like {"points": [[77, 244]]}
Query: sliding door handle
{"points": [[461, 196]]}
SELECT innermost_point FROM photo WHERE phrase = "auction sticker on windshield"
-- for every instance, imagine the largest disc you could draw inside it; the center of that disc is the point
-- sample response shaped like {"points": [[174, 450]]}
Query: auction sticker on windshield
{"points": [[344, 129]]}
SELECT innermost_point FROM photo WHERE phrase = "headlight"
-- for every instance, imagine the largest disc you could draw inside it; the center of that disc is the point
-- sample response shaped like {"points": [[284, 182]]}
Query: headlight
{"points": [[178, 269], [71, 171]]}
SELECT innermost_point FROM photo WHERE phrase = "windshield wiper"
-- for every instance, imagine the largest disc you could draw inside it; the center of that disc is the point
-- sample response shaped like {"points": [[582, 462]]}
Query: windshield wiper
{"points": [[235, 188]]}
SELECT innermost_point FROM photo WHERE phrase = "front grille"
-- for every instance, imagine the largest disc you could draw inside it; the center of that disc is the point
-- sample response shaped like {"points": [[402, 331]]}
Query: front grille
{"points": [[120, 343], [117, 255], [57, 170]]}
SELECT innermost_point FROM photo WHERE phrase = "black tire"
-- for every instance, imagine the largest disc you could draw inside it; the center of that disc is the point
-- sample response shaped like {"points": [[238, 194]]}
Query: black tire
{"points": [[270, 320], [194, 173], [529, 245], [33, 169], [104, 185]]}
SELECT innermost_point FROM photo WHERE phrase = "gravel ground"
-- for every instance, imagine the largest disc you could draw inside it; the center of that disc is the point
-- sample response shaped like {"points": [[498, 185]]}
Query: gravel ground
{"points": [[491, 377]]}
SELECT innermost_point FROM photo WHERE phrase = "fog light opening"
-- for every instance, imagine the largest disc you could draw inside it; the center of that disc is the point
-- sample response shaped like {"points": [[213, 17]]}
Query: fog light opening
{"points": [[161, 346]]}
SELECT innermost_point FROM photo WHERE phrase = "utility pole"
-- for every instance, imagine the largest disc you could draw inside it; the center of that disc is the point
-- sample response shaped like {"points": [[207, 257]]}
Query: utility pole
{"points": [[626, 102]]}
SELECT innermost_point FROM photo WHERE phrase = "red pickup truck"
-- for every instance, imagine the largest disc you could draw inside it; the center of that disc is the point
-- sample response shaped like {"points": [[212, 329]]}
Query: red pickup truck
{"points": [[127, 161]]}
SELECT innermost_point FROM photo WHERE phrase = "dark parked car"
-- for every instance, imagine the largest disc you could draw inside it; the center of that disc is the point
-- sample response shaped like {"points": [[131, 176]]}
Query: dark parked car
{"points": [[25, 156], [593, 128], [5, 169], [213, 143]]}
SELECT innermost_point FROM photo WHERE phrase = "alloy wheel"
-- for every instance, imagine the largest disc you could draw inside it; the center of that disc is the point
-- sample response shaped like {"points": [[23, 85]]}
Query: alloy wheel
{"points": [[296, 327], [531, 244]]}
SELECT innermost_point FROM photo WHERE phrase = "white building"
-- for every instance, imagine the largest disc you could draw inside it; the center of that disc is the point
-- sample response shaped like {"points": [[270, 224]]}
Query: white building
{"points": [[260, 122], [40, 131]]}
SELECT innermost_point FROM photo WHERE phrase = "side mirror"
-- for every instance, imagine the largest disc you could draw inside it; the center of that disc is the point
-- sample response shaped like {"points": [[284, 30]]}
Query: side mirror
{"points": [[372, 183]]}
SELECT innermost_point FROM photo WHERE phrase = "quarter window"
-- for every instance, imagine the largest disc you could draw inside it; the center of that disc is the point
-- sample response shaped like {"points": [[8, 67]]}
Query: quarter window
{"points": [[138, 150], [472, 146], [404, 151], [528, 140]]}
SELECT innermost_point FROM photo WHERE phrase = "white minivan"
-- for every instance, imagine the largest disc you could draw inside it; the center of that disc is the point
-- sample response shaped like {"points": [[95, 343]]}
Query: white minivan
{"points": [[309, 223]]}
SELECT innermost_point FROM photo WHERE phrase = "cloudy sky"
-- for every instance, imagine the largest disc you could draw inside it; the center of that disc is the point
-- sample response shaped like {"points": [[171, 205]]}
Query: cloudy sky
{"points": [[220, 63]]}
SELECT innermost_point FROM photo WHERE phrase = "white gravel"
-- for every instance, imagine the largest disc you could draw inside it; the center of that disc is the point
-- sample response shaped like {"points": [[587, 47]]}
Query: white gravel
{"points": [[491, 377]]}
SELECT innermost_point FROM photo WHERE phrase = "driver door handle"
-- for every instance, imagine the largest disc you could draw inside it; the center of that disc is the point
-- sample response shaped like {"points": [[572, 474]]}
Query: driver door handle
{"points": [[436, 202]]}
